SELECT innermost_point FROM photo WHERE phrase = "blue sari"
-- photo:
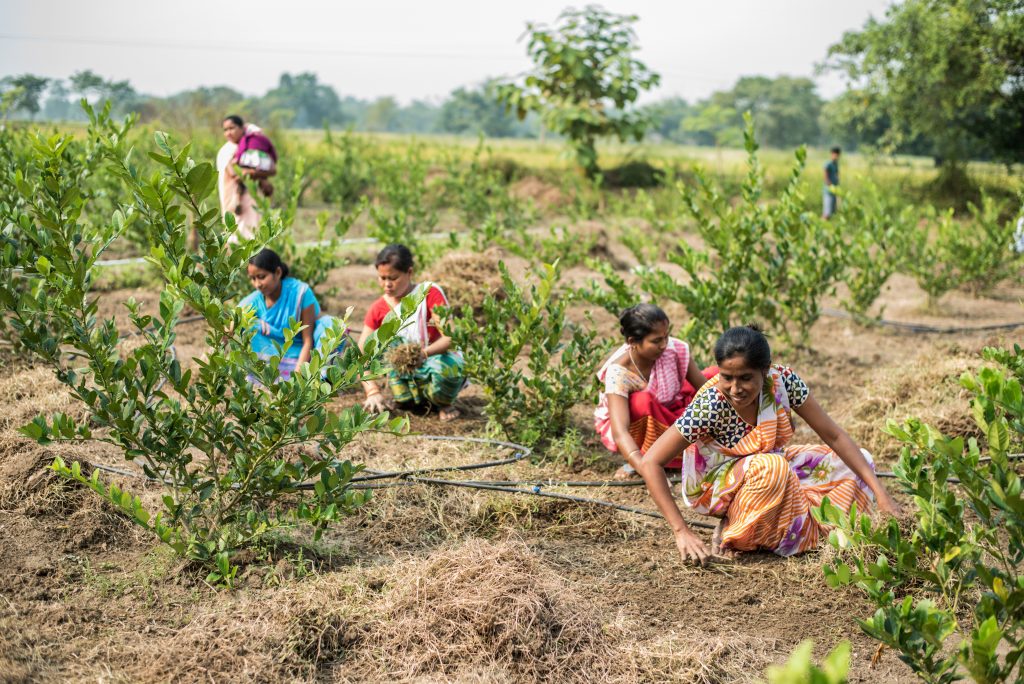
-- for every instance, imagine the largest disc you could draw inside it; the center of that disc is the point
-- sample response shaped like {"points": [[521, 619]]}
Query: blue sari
{"points": [[295, 297]]}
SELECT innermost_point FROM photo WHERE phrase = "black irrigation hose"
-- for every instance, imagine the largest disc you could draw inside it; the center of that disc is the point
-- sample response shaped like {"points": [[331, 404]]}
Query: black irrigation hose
{"points": [[918, 328], [536, 491], [519, 453]]}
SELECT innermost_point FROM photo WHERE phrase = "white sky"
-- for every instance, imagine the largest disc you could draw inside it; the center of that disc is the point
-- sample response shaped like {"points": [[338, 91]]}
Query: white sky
{"points": [[408, 49]]}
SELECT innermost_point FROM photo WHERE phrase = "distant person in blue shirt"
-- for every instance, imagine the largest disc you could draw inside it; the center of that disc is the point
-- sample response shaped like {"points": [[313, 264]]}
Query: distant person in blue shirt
{"points": [[828, 195], [277, 302]]}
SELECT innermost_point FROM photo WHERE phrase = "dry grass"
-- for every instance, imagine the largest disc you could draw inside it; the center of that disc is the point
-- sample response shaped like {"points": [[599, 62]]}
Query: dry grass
{"points": [[544, 195], [467, 279], [695, 657], [927, 388], [480, 607]]}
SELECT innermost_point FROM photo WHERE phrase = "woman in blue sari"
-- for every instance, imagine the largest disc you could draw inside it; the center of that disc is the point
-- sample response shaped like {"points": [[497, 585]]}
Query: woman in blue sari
{"points": [[279, 301]]}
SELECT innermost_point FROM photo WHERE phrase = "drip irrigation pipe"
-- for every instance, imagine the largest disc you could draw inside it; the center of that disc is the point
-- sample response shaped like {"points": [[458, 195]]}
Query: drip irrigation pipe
{"points": [[536, 491], [408, 478], [921, 328], [519, 452]]}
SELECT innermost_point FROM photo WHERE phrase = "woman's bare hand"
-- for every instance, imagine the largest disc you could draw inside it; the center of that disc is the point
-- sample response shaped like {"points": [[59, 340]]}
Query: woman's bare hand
{"points": [[887, 504], [691, 548], [376, 403]]}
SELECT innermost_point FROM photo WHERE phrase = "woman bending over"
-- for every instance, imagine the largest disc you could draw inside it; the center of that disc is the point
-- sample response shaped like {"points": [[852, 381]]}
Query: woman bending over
{"points": [[738, 464], [647, 383]]}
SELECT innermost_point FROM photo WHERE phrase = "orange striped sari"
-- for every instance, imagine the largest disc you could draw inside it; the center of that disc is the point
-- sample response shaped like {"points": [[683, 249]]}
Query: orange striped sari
{"points": [[762, 486]]}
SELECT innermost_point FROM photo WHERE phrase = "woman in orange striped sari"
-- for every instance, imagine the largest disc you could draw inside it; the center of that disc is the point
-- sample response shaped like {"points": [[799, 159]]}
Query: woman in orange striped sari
{"points": [[739, 466], [647, 384]]}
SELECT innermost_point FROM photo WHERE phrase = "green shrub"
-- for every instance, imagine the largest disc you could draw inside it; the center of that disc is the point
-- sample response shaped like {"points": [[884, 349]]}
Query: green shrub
{"points": [[956, 575], [402, 210], [800, 669], [312, 263], [217, 442], [345, 167], [988, 258], [875, 228], [770, 262], [530, 399], [479, 192], [931, 249]]}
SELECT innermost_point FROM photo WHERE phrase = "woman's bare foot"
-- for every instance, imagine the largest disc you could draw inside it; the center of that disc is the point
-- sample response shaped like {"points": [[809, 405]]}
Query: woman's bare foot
{"points": [[626, 472], [716, 541], [449, 413]]}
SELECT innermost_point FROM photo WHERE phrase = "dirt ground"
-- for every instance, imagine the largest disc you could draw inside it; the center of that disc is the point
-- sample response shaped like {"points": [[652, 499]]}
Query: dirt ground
{"points": [[445, 584]]}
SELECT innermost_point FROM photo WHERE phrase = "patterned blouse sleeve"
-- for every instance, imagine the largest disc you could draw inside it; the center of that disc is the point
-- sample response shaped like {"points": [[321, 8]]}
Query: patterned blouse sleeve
{"points": [[699, 418], [796, 388], [616, 381]]}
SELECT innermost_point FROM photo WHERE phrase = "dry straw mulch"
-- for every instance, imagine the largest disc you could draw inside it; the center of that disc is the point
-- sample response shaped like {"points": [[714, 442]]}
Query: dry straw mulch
{"points": [[467, 278], [928, 388]]}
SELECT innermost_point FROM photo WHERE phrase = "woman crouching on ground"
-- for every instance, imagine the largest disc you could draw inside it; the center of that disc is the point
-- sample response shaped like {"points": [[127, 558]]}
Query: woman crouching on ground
{"points": [[738, 466], [437, 378], [278, 301], [647, 383]]}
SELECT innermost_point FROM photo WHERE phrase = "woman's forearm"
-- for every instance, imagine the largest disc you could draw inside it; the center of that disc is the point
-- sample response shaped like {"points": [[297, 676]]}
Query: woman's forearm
{"points": [[652, 468], [850, 454], [438, 346], [658, 488]]}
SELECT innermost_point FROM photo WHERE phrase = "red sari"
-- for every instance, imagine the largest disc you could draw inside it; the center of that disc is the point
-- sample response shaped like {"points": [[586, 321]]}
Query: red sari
{"points": [[654, 405]]}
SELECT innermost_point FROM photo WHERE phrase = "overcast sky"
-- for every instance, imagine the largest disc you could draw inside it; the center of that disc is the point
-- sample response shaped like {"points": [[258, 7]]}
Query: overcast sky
{"points": [[408, 49]]}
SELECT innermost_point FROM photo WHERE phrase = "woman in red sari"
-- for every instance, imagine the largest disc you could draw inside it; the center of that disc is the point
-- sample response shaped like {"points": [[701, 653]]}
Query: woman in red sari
{"points": [[648, 382]]}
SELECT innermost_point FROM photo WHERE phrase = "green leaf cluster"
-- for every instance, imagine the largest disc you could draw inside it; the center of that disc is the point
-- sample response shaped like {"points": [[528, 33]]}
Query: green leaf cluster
{"points": [[237, 452], [529, 401], [956, 573]]}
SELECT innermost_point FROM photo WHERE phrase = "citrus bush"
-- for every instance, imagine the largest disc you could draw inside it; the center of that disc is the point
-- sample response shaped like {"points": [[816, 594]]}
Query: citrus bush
{"points": [[949, 591], [767, 261], [529, 402], [875, 227], [222, 439]]}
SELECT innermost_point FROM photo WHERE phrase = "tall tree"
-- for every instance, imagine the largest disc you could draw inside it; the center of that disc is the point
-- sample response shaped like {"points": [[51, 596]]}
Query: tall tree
{"points": [[585, 80], [309, 103], [28, 90], [948, 70], [93, 87], [476, 110], [785, 109], [380, 115]]}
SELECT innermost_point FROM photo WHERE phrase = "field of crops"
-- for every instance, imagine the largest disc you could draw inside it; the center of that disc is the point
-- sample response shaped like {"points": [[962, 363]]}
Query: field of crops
{"points": [[881, 310]]}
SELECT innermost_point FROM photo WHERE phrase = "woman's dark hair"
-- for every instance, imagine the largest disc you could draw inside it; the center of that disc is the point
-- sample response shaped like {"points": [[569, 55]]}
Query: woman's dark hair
{"points": [[270, 261], [747, 341], [639, 320], [396, 256], [235, 119]]}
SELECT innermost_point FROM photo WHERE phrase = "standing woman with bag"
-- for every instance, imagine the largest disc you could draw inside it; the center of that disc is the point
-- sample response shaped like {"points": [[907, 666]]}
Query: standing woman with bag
{"points": [[246, 152]]}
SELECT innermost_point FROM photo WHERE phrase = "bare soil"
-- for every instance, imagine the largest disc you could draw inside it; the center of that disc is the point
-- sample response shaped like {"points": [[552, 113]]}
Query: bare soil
{"points": [[445, 584]]}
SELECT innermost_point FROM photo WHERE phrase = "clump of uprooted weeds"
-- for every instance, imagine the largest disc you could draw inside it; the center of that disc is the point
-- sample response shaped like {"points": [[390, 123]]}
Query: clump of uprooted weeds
{"points": [[405, 358]]}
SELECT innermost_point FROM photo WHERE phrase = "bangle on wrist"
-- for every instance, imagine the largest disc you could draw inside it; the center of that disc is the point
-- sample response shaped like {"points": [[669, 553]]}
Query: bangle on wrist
{"points": [[374, 393]]}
